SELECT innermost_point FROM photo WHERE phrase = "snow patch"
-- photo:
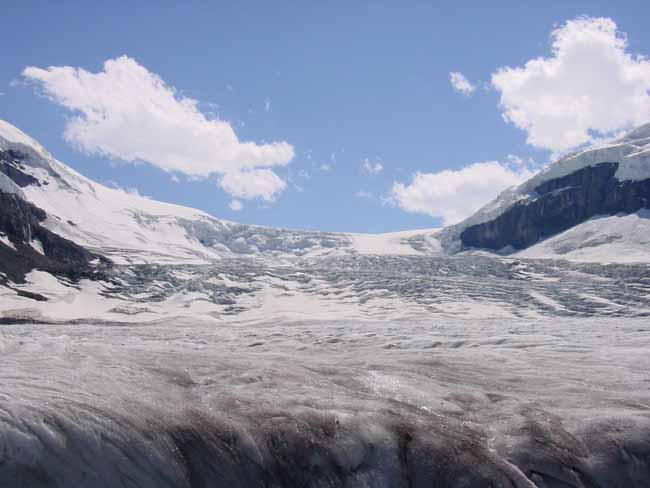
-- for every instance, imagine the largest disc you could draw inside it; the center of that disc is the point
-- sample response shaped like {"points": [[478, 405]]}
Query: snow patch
{"points": [[395, 243], [37, 246], [5, 240], [623, 238]]}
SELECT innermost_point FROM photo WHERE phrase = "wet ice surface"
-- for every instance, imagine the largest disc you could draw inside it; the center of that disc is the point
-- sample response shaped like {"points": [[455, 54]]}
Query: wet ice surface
{"points": [[343, 372], [561, 402]]}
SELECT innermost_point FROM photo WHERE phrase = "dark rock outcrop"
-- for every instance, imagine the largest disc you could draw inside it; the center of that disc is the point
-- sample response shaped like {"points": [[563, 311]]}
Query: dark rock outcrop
{"points": [[10, 165], [560, 204], [20, 223]]}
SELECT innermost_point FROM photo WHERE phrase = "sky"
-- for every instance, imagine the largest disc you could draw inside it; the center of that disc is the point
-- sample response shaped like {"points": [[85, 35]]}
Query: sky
{"points": [[336, 116]]}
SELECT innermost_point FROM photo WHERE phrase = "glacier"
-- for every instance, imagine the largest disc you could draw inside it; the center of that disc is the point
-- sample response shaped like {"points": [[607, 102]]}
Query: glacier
{"points": [[212, 353], [559, 402]]}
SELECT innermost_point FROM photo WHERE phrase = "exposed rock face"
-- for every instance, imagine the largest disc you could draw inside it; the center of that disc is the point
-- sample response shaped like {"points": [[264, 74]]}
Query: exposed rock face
{"points": [[23, 236], [560, 204], [20, 225], [10, 166]]}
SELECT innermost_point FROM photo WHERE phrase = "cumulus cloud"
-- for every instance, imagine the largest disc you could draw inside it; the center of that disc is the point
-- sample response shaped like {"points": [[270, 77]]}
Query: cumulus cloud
{"points": [[129, 113], [453, 195], [371, 168], [262, 183], [589, 86], [460, 83]]}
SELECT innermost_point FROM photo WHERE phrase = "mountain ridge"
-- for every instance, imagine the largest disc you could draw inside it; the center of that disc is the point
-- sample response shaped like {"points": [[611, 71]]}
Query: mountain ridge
{"points": [[132, 229], [132, 259]]}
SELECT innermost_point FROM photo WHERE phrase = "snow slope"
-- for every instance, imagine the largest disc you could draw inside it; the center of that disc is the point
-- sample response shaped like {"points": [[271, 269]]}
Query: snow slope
{"points": [[133, 229], [130, 228], [623, 238], [618, 240], [632, 152]]}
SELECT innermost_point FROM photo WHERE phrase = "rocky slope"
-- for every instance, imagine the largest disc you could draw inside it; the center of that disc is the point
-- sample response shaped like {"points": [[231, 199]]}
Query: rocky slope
{"points": [[609, 180], [25, 244], [561, 203]]}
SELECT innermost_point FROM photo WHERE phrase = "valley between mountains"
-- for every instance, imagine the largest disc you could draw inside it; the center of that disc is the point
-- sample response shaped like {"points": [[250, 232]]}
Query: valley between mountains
{"points": [[146, 344]]}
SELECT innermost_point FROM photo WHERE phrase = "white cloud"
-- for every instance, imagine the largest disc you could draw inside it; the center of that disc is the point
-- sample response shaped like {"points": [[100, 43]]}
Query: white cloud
{"points": [[363, 194], [453, 195], [371, 168], [129, 113], [236, 205], [460, 83], [325, 167], [267, 105], [589, 86], [257, 183]]}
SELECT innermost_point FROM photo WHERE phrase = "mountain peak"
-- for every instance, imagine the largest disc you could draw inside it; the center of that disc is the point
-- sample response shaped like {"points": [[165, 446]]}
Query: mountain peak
{"points": [[11, 137]]}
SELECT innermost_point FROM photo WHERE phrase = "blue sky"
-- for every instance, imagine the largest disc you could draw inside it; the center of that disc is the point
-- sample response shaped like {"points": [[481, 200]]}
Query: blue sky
{"points": [[361, 94]]}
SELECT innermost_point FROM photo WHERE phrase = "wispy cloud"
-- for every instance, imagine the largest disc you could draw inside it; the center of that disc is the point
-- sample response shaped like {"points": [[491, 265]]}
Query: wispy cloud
{"points": [[460, 83], [236, 205], [371, 168]]}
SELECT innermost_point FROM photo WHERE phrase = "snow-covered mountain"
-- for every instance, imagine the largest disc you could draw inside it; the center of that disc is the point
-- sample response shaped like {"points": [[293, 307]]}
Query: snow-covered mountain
{"points": [[72, 249], [129, 228], [591, 205]]}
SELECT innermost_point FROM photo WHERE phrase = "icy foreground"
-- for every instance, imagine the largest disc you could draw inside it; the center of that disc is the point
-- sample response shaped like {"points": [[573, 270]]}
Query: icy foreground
{"points": [[218, 376], [437, 402]]}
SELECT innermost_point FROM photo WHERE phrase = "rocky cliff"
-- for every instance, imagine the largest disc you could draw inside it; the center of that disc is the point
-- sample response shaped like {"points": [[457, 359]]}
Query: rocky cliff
{"points": [[560, 204]]}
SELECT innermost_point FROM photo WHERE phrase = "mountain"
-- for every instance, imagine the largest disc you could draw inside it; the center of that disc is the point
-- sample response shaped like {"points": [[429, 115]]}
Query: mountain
{"points": [[588, 206], [591, 206], [129, 228]]}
